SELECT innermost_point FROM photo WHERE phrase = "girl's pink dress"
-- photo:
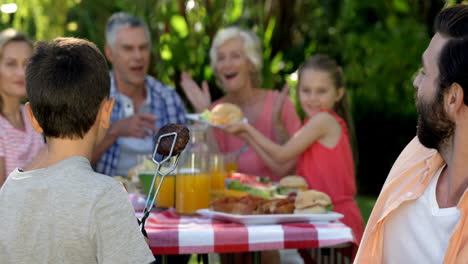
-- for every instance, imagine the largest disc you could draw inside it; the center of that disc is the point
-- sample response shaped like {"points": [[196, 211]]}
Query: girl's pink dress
{"points": [[249, 162], [331, 170]]}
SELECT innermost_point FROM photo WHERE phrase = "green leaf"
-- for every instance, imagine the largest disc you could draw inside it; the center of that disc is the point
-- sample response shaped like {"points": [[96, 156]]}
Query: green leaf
{"points": [[277, 63], [205, 115], [236, 10], [166, 53], [401, 5], [179, 25], [269, 31]]}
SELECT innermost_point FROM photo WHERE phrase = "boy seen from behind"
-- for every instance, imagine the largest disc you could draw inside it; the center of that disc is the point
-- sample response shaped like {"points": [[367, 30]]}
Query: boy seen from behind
{"points": [[61, 211]]}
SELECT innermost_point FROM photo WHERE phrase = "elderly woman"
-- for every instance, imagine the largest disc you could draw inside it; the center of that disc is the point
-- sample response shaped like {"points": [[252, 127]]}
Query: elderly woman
{"points": [[19, 143], [237, 62]]}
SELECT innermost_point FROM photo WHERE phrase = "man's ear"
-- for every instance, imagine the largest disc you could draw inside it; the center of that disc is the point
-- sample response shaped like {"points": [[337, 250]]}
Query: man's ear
{"points": [[454, 99], [108, 52], [32, 119], [105, 113]]}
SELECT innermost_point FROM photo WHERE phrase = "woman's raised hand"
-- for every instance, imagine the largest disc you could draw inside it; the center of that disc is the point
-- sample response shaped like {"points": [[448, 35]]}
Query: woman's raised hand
{"points": [[278, 106], [199, 97]]}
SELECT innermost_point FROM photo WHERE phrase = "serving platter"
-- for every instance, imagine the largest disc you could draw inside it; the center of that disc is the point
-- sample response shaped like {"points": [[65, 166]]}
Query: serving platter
{"points": [[197, 118], [270, 218]]}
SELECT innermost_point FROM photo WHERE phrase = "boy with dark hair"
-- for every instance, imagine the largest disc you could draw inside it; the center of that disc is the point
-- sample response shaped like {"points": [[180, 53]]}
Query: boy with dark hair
{"points": [[61, 211]]}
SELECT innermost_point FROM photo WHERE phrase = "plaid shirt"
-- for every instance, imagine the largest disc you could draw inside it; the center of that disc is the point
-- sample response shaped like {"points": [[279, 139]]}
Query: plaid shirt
{"points": [[165, 104]]}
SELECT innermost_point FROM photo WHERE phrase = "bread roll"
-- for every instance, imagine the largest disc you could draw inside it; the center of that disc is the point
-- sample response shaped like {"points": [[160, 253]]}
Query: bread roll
{"points": [[311, 202], [293, 181], [311, 210], [226, 113]]}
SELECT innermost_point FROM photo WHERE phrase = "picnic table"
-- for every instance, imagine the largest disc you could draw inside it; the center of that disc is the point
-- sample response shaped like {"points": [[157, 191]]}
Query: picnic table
{"points": [[170, 233]]}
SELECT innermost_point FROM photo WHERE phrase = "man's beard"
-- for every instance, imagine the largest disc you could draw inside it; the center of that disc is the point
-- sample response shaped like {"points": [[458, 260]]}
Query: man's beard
{"points": [[434, 129]]}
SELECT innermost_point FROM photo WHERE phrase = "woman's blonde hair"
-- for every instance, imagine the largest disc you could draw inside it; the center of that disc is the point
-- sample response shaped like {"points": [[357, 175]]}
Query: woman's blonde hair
{"points": [[251, 45], [6, 36]]}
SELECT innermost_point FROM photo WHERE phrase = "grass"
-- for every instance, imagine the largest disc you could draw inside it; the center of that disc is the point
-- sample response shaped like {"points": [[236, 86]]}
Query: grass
{"points": [[365, 203], [193, 259]]}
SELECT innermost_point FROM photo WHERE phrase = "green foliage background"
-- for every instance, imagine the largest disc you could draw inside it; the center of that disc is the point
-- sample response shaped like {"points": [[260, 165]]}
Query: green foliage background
{"points": [[378, 43]]}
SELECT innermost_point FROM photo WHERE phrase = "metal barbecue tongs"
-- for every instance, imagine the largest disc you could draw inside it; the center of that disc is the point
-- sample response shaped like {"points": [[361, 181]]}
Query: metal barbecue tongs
{"points": [[172, 162]]}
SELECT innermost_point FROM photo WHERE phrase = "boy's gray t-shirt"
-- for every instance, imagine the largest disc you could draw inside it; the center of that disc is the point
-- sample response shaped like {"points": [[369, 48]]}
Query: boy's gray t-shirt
{"points": [[67, 213]]}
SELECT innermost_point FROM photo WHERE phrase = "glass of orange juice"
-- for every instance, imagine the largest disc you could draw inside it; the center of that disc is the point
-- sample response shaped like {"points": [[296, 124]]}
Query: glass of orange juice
{"points": [[192, 190], [217, 171], [166, 194], [230, 160]]}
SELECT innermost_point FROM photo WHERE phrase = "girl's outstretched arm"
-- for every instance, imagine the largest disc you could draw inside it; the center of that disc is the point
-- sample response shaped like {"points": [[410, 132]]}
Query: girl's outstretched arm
{"points": [[315, 129]]}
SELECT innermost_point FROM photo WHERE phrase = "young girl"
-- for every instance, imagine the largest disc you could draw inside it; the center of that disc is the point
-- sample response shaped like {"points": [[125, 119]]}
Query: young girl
{"points": [[322, 145], [19, 143]]}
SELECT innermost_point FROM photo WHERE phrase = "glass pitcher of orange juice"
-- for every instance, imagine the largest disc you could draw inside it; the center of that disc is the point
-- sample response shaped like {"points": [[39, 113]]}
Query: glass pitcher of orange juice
{"points": [[193, 179]]}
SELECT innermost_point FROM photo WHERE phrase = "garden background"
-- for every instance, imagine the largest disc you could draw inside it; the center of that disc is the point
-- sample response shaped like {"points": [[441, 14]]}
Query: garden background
{"points": [[379, 44]]}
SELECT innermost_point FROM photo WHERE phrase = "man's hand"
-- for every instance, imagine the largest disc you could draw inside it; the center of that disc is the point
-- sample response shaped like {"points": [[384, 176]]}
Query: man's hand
{"points": [[139, 125], [200, 98]]}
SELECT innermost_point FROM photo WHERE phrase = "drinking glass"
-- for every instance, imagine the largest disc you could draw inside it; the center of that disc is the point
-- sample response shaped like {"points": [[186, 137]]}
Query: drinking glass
{"points": [[166, 195], [217, 171], [193, 179], [230, 160]]}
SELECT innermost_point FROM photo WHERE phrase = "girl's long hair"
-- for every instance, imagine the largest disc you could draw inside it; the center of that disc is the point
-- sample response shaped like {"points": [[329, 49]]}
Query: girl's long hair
{"points": [[6, 36], [325, 63]]}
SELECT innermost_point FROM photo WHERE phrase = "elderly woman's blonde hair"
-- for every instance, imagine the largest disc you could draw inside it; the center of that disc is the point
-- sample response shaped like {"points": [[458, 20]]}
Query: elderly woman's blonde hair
{"points": [[251, 46]]}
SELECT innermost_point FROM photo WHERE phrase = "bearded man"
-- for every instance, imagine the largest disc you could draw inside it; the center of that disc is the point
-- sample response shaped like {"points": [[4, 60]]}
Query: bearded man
{"points": [[421, 213]]}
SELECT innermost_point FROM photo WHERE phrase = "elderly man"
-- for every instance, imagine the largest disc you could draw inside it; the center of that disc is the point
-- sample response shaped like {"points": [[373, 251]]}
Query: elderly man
{"points": [[142, 103], [421, 213]]}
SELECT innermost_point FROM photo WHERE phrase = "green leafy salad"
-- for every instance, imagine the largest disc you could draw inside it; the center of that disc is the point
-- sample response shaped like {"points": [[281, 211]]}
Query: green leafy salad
{"points": [[258, 191], [205, 115]]}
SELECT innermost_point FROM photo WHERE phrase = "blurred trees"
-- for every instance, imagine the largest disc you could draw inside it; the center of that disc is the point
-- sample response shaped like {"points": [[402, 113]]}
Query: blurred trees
{"points": [[378, 43]]}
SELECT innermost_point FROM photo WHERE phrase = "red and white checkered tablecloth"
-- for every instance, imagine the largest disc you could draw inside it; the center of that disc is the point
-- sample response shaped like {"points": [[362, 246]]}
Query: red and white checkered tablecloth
{"points": [[170, 233]]}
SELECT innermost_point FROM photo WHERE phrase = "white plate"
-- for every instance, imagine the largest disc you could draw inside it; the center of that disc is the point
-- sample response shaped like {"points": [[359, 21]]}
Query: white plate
{"points": [[197, 118], [270, 219]]}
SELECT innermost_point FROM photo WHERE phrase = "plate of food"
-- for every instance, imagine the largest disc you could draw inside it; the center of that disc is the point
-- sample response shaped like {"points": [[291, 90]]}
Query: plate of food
{"points": [[221, 115], [308, 206], [267, 219]]}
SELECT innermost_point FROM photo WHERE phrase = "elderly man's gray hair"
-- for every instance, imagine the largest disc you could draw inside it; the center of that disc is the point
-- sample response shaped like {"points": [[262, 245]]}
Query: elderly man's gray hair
{"points": [[123, 20]]}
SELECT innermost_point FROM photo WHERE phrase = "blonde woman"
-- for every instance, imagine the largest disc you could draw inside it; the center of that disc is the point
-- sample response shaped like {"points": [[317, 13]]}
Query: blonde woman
{"points": [[236, 60], [19, 143]]}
